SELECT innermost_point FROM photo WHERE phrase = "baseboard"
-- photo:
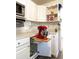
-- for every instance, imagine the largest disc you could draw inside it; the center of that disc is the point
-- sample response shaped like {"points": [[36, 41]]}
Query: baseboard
{"points": [[39, 56]]}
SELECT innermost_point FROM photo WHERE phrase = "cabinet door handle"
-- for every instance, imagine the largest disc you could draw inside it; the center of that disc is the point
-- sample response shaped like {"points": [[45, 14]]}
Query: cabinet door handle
{"points": [[18, 43]]}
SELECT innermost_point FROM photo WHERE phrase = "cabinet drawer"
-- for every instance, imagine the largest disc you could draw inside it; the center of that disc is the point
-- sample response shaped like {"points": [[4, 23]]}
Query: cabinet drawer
{"points": [[23, 46], [20, 42]]}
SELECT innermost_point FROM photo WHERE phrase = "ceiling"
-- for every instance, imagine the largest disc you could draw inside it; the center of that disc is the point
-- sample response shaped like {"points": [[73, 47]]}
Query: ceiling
{"points": [[40, 2]]}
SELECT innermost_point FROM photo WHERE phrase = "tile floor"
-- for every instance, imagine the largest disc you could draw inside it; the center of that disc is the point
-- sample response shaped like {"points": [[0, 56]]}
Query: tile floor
{"points": [[60, 56]]}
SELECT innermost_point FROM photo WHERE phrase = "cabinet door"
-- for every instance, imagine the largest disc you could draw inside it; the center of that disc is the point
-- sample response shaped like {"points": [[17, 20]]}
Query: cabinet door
{"points": [[54, 45], [23, 53], [31, 10], [44, 48], [41, 13]]}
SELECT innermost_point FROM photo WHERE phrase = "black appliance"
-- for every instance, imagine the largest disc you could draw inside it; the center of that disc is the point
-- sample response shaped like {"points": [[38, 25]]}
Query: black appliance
{"points": [[20, 9], [33, 47]]}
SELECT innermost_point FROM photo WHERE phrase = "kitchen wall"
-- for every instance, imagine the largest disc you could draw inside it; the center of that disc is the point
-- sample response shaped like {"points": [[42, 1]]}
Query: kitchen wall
{"points": [[22, 32], [51, 26], [30, 28]]}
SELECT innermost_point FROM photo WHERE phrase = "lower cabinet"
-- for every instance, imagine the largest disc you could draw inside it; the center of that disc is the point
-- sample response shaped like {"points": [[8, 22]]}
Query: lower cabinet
{"points": [[44, 48], [23, 48], [24, 53], [55, 45]]}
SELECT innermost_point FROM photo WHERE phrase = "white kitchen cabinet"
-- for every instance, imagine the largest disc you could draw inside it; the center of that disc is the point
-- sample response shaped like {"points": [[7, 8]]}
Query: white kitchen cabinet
{"points": [[55, 44], [23, 48], [23, 53], [31, 10], [35, 12], [44, 48], [41, 13]]}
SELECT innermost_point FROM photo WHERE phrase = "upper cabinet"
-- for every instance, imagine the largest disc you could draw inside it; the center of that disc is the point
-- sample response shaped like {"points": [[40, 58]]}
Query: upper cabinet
{"points": [[51, 11], [36, 12], [31, 10], [47, 12], [41, 11]]}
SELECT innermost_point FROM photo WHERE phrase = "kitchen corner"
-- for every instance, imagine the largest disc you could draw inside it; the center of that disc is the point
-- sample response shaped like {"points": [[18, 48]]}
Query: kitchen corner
{"points": [[29, 16]]}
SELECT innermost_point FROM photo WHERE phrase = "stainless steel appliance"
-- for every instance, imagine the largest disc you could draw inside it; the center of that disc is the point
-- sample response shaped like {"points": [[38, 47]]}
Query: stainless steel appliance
{"points": [[20, 9], [20, 14]]}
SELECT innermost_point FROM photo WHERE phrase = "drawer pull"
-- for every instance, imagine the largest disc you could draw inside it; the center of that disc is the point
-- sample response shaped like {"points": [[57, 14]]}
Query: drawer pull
{"points": [[18, 43]]}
